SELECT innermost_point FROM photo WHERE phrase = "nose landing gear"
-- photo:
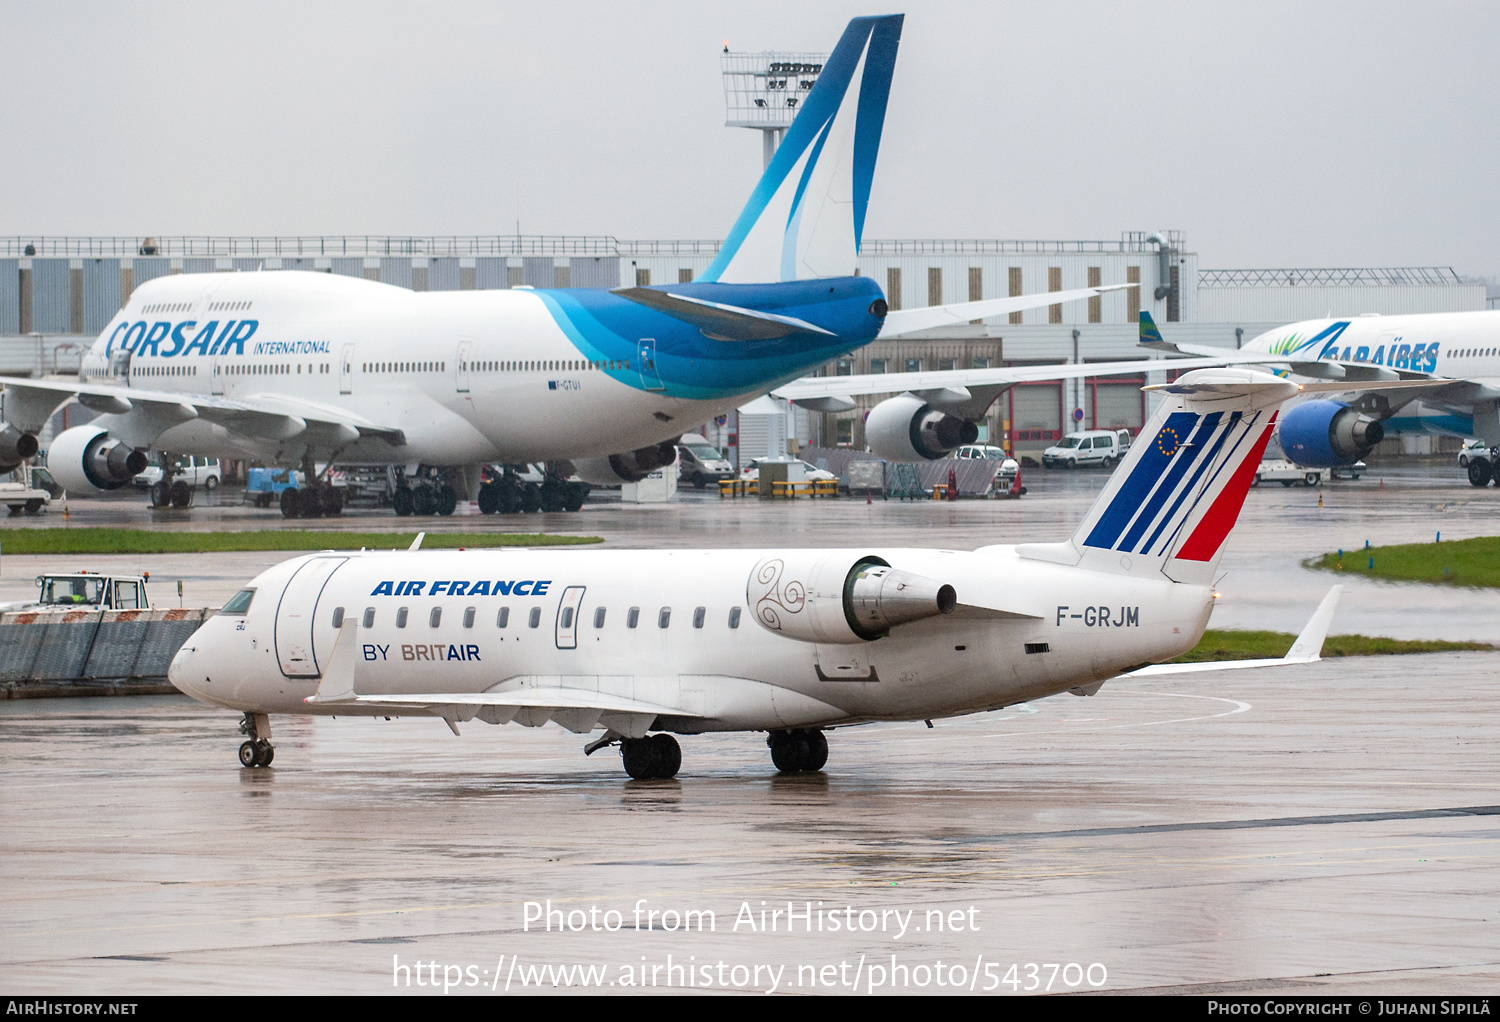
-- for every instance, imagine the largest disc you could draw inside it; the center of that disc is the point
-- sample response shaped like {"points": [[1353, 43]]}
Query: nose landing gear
{"points": [[258, 751], [798, 751]]}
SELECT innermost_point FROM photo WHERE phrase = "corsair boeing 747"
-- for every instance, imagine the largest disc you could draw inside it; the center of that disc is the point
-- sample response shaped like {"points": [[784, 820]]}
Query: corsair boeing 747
{"points": [[294, 368], [642, 645]]}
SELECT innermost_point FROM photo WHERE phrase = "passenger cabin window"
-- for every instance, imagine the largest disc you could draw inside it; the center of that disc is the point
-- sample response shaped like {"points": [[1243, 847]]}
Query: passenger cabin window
{"points": [[599, 617], [468, 617], [401, 618], [239, 603], [435, 618], [633, 617], [502, 619], [536, 617], [734, 617], [369, 621], [664, 617], [338, 617], [698, 616]]}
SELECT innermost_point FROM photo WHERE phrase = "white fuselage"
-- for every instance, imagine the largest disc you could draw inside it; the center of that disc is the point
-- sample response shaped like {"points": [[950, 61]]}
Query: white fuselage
{"points": [[1061, 627], [1455, 345], [466, 376]]}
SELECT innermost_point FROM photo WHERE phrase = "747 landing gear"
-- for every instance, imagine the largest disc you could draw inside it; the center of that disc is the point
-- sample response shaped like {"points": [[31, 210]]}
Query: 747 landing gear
{"points": [[258, 751], [798, 751], [656, 756]]}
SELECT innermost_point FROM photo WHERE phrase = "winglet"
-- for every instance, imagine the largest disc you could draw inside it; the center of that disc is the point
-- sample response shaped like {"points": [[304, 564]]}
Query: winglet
{"points": [[337, 685], [1309, 645], [416, 544]]}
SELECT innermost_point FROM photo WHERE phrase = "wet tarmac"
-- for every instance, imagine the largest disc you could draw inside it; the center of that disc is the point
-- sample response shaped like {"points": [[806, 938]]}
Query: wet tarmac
{"points": [[1320, 829], [1323, 829]]}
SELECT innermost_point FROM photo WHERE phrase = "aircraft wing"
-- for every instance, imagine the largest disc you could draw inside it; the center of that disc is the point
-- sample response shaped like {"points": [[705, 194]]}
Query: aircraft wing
{"points": [[971, 390], [1307, 649], [29, 403], [899, 322]]}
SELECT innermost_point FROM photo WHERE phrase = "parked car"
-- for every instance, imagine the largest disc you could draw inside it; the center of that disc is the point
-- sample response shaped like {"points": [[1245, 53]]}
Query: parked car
{"points": [[988, 452], [1102, 447], [194, 471], [699, 463], [811, 473], [1473, 448]]}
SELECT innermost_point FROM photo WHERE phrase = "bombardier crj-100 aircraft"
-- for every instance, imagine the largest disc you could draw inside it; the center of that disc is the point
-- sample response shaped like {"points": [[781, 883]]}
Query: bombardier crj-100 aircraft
{"points": [[647, 644], [293, 367]]}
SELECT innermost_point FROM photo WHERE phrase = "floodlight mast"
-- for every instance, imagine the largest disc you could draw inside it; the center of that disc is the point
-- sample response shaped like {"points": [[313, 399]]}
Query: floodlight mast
{"points": [[765, 90]]}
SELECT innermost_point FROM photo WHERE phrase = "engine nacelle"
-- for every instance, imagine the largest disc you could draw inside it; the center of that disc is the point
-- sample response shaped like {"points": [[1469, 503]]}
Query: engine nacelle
{"points": [[906, 428], [630, 467], [1322, 434], [86, 459], [840, 597], [15, 447]]}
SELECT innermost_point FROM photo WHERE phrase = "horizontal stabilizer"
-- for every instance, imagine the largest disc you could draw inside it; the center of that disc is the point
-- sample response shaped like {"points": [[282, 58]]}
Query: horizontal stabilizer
{"points": [[1307, 649], [720, 322]]}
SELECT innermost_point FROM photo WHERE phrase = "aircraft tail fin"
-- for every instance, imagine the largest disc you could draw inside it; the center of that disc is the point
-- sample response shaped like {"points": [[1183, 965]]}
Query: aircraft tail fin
{"points": [[1170, 505], [1150, 336], [805, 218]]}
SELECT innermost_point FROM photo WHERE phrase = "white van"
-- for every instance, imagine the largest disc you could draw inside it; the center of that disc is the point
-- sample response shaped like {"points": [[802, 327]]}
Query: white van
{"points": [[699, 462], [1102, 447]]}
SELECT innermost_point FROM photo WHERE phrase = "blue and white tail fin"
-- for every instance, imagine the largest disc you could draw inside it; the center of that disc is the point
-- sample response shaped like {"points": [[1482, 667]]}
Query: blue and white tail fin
{"points": [[806, 216], [1169, 507]]}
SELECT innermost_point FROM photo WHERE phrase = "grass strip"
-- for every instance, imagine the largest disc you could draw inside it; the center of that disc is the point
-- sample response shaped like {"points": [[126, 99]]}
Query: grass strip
{"points": [[147, 541], [1462, 562], [1238, 645]]}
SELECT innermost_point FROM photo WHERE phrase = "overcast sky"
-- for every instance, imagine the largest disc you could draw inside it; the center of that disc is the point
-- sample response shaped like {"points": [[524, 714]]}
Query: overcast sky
{"points": [[1273, 134]]}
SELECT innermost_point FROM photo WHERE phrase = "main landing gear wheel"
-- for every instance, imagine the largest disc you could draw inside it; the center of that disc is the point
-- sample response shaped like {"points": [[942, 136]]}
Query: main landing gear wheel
{"points": [[654, 757], [489, 499], [423, 501], [531, 498], [291, 502], [447, 500], [161, 495], [1479, 472], [798, 751], [401, 501], [577, 493], [182, 494], [257, 753], [554, 494]]}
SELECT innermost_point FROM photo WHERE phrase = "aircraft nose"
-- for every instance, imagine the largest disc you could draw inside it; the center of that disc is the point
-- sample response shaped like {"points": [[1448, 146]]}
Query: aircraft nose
{"points": [[183, 673]]}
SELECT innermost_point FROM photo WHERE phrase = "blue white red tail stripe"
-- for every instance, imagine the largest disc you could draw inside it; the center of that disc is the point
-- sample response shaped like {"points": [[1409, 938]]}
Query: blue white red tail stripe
{"points": [[1187, 478]]}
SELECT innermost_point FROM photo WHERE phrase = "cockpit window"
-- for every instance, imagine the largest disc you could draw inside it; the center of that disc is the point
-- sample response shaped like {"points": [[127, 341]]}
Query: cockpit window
{"points": [[73, 591], [240, 603]]}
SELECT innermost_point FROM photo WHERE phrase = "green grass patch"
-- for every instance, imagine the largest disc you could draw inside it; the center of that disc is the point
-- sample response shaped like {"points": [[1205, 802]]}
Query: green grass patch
{"points": [[1237, 645], [1463, 562], [146, 541]]}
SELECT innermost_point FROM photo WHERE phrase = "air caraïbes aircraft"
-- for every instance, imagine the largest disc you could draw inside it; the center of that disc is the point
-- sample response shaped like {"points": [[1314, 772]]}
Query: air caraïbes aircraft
{"points": [[646, 644], [1450, 361], [293, 368]]}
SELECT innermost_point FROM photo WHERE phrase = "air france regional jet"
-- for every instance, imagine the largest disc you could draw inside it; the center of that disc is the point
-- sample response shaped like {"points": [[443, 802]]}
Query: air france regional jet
{"points": [[294, 368], [1450, 362], [642, 645]]}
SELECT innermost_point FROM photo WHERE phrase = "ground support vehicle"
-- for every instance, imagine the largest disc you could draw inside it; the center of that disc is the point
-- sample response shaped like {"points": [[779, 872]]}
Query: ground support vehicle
{"points": [[1101, 447], [1280, 470]]}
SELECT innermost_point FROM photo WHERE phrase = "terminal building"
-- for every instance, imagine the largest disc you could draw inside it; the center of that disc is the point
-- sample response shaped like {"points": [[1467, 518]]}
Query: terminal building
{"points": [[56, 294]]}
